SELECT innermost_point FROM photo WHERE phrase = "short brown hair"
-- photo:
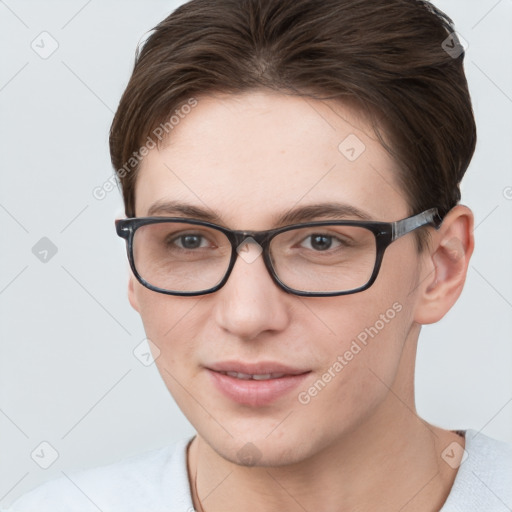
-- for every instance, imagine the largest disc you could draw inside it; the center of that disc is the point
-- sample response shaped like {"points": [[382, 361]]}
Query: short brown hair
{"points": [[389, 56]]}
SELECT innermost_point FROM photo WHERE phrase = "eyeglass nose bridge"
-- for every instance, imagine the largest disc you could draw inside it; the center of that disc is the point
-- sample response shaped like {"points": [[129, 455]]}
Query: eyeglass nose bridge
{"points": [[241, 242], [239, 237]]}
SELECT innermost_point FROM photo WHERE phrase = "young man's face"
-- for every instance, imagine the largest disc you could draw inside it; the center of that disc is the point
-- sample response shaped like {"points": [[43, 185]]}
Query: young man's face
{"points": [[250, 158]]}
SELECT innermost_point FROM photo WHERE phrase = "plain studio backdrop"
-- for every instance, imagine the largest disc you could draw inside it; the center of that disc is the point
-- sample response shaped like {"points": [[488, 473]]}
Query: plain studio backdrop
{"points": [[76, 390]]}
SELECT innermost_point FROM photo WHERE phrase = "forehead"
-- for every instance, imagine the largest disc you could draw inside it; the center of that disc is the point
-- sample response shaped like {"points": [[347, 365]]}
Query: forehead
{"points": [[250, 157]]}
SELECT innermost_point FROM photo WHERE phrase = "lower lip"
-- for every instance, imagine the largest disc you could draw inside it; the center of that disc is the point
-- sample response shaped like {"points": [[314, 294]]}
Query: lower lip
{"points": [[255, 393]]}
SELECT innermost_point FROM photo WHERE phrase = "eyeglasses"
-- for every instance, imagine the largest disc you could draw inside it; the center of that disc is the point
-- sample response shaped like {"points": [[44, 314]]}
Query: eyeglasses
{"points": [[182, 256]]}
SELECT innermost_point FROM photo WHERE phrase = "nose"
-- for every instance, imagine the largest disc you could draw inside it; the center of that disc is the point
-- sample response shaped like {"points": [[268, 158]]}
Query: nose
{"points": [[250, 302]]}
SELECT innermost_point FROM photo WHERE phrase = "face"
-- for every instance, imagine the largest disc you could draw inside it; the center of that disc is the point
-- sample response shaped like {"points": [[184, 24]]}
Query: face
{"points": [[249, 158]]}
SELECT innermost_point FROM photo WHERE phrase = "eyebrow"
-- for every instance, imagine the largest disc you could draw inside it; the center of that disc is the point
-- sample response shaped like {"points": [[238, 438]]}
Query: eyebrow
{"points": [[330, 210]]}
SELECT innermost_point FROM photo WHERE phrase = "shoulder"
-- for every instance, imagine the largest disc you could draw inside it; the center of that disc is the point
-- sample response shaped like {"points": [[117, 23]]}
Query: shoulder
{"points": [[150, 481], [484, 478]]}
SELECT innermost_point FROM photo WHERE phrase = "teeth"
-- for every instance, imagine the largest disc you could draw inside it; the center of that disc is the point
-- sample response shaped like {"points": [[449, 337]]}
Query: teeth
{"points": [[246, 376], [264, 376]]}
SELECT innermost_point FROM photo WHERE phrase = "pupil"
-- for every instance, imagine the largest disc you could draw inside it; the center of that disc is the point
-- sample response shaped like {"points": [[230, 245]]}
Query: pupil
{"points": [[321, 242], [191, 241]]}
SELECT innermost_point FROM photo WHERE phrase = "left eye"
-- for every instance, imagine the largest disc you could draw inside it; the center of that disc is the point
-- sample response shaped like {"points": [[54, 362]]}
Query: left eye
{"points": [[319, 242]]}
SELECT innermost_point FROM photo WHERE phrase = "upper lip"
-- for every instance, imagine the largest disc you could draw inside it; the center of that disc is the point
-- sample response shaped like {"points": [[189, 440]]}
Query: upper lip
{"points": [[260, 368]]}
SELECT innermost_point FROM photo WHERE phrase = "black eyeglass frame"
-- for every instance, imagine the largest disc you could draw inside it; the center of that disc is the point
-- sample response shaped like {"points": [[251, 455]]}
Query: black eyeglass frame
{"points": [[385, 233]]}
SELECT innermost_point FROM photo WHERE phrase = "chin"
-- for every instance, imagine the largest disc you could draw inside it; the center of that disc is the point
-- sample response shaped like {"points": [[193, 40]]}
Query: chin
{"points": [[245, 452], [277, 443]]}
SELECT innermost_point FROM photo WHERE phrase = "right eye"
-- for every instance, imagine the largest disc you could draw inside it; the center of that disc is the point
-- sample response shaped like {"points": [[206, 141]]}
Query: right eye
{"points": [[188, 241]]}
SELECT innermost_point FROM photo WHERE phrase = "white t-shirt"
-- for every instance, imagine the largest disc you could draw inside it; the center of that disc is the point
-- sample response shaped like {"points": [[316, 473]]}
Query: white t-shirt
{"points": [[157, 481]]}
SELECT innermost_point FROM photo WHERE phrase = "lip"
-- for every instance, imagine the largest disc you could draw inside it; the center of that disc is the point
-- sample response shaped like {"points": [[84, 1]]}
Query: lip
{"points": [[255, 393], [260, 368]]}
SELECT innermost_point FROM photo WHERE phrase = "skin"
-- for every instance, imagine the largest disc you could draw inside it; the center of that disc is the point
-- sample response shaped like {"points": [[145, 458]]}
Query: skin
{"points": [[358, 444]]}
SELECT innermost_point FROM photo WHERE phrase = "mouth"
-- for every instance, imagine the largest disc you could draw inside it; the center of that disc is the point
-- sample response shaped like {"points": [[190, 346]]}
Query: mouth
{"points": [[255, 384], [261, 376]]}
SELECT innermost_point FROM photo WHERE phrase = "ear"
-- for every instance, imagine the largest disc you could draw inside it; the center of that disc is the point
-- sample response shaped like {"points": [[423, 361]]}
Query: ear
{"points": [[132, 295], [446, 265]]}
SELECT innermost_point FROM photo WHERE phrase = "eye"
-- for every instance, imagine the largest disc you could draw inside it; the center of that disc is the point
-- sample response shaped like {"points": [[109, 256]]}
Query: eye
{"points": [[188, 241], [320, 242]]}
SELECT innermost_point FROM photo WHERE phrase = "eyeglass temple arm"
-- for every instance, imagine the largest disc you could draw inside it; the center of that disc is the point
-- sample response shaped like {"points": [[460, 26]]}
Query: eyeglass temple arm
{"points": [[402, 227]]}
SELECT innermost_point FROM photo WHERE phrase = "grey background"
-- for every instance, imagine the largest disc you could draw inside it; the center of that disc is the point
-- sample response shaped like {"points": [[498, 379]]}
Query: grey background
{"points": [[68, 375]]}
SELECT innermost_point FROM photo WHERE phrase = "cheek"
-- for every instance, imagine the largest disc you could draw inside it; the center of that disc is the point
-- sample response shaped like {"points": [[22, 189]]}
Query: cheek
{"points": [[362, 359], [175, 325], [169, 323], [369, 337]]}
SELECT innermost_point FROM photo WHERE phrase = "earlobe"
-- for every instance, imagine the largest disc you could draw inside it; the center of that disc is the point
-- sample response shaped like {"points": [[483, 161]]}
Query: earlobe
{"points": [[448, 261], [132, 296]]}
